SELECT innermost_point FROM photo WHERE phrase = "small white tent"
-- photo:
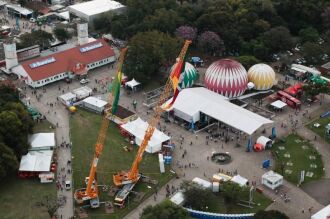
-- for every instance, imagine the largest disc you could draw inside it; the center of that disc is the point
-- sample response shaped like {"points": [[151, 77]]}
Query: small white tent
{"points": [[138, 128], [324, 213], [132, 84], [239, 180]]}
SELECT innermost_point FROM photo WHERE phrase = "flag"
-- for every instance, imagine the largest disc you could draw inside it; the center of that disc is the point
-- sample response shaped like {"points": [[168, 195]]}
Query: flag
{"points": [[116, 92]]}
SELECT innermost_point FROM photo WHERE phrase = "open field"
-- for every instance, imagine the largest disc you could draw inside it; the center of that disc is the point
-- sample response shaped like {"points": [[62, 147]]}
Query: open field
{"points": [[320, 130], [84, 127], [295, 154], [20, 197]]}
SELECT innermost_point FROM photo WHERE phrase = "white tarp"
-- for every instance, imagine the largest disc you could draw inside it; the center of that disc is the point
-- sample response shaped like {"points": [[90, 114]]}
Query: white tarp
{"points": [[278, 104], [42, 140], [138, 128], [82, 92], [239, 180], [95, 102], [271, 179], [36, 161], [203, 183], [68, 98], [19, 9], [324, 213], [132, 83], [191, 101], [177, 198]]}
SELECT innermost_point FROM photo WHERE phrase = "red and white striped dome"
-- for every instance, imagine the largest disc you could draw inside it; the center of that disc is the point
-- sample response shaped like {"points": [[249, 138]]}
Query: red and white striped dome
{"points": [[226, 77]]}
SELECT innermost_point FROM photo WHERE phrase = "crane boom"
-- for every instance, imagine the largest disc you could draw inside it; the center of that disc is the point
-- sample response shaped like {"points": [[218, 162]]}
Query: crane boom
{"points": [[91, 189], [132, 176]]}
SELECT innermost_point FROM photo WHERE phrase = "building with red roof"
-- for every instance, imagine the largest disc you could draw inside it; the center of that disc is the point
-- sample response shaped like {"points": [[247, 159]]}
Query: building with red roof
{"points": [[66, 64]]}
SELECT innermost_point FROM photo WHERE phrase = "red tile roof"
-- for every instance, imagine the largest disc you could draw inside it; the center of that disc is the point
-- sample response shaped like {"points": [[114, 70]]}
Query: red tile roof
{"points": [[65, 59]]}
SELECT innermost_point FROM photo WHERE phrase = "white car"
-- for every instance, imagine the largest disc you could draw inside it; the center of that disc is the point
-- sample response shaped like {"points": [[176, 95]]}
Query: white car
{"points": [[67, 184], [32, 20], [84, 81]]}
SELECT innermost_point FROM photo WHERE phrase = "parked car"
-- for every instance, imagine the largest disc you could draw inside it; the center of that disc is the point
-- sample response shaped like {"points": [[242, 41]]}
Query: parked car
{"points": [[84, 81], [67, 184], [33, 20]]}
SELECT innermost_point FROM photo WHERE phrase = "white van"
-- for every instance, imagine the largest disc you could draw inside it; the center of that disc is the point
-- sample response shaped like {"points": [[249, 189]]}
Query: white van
{"points": [[68, 185]]}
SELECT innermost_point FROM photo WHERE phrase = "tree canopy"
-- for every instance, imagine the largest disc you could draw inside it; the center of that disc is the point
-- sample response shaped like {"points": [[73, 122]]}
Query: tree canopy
{"points": [[15, 125], [164, 210], [62, 34], [148, 52], [38, 37]]}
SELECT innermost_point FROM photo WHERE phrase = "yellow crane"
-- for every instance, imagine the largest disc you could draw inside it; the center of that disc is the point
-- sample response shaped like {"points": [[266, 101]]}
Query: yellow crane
{"points": [[130, 178], [90, 193]]}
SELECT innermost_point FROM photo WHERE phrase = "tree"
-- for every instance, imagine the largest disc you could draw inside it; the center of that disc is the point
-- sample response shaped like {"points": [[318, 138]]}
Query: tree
{"points": [[308, 34], [210, 42], [278, 39], [312, 52], [118, 25], [22, 2], [197, 198], [38, 37], [272, 214], [62, 34], [231, 192], [326, 17], [8, 161], [149, 51], [50, 204], [313, 89], [165, 210], [186, 32], [103, 22], [247, 61]]}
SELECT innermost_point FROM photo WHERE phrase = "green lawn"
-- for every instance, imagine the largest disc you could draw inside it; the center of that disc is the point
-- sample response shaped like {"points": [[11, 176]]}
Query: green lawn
{"points": [[43, 126], [320, 130], [84, 127], [300, 151], [19, 197]]}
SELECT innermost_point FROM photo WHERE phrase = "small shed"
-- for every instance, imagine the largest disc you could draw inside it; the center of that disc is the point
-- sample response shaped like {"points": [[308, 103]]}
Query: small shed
{"points": [[265, 142], [42, 141], [239, 180], [68, 99], [203, 183], [82, 92], [324, 213], [94, 104], [272, 180]]}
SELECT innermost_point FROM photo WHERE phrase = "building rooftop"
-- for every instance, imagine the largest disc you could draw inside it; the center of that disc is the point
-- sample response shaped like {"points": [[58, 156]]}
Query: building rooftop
{"points": [[51, 65], [96, 6]]}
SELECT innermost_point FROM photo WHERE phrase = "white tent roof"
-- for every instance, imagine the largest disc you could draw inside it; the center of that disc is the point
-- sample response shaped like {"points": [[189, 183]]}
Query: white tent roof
{"points": [[36, 161], [138, 128], [42, 140], [239, 180], [219, 108], [278, 104], [81, 91], [263, 140], [19, 9], [324, 213], [304, 69], [177, 198], [68, 96], [203, 183], [272, 176], [96, 7], [95, 101], [65, 15], [132, 83]]}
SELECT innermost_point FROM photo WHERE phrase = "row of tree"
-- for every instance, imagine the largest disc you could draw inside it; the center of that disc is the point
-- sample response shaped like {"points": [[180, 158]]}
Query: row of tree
{"points": [[15, 124]]}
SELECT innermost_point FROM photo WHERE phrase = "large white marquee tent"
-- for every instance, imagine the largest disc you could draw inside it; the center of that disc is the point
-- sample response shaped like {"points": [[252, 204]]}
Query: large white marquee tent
{"points": [[36, 161], [42, 141], [138, 128], [193, 101]]}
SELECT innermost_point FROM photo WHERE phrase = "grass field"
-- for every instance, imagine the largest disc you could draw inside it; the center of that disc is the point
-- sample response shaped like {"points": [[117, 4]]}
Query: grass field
{"points": [[302, 157], [84, 127], [19, 197], [320, 130]]}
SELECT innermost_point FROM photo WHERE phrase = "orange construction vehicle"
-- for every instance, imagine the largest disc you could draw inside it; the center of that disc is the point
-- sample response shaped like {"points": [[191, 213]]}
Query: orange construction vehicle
{"points": [[90, 193], [127, 180]]}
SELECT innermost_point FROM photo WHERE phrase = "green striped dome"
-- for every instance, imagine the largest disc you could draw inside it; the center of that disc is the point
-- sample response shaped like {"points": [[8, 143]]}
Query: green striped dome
{"points": [[188, 77]]}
